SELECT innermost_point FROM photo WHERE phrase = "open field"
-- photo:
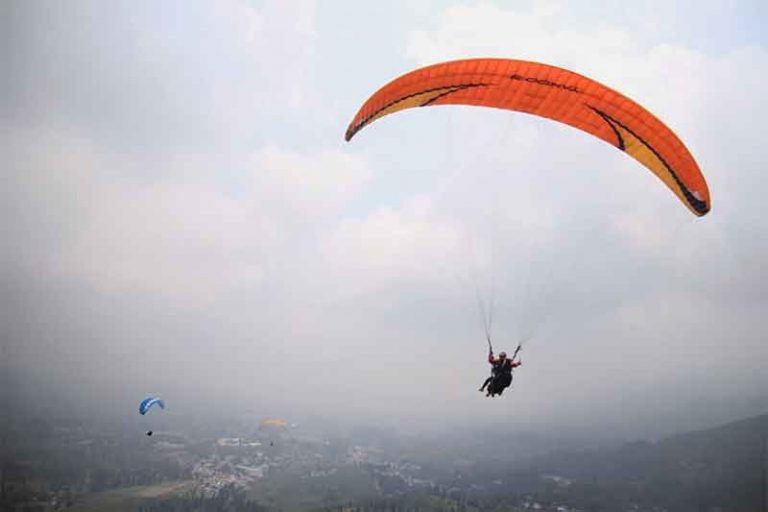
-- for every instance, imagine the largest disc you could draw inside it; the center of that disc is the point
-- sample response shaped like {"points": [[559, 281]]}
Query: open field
{"points": [[129, 499]]}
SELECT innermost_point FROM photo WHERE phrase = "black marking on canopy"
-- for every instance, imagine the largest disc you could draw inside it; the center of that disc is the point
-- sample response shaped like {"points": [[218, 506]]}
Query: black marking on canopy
{"points": [[451, 89], [698, 205], [607, 119]]}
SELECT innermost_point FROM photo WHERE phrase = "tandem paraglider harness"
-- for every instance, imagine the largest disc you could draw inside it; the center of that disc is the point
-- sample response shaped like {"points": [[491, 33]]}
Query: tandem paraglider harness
{"points": [[501, 373], [500, 380]]}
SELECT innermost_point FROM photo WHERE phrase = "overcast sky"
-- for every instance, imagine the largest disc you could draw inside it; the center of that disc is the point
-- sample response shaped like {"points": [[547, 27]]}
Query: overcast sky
{"points": [[181, 214]]}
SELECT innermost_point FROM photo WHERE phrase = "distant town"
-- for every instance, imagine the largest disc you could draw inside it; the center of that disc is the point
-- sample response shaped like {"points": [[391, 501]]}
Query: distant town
{"points": [[52, 467]]}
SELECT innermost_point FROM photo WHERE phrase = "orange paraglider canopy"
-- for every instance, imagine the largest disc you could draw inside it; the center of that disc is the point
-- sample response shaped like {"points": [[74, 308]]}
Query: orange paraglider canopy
{"points": [[272, 423], [554, 93]]}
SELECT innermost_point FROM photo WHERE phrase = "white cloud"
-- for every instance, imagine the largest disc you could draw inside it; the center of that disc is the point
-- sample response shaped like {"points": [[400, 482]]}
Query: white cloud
{"points": [[394, 244], [194, 240], [487, 30]]}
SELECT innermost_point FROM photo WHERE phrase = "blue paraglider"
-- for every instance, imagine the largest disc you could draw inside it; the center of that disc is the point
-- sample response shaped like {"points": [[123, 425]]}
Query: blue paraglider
{"points": [[148, 402]]}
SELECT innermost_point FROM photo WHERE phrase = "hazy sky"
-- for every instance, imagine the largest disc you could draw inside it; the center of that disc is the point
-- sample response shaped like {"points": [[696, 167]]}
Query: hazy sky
{"points": [[181, 215]]}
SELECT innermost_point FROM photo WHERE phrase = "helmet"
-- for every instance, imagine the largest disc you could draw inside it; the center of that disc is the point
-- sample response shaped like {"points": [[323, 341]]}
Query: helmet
{"points": [[502, 355]]}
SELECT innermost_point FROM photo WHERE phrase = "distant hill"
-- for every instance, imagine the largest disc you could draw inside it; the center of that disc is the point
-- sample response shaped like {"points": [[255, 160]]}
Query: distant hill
{"points": [[723, 469]]}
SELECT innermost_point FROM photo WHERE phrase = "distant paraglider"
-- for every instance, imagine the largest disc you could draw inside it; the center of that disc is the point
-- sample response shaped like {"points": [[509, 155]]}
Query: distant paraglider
{"points": [[147, 404], [272, 429]]}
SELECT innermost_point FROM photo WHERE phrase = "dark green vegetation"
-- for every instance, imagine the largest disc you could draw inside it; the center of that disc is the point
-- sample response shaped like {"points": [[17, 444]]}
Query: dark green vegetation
{"points": [[717, 469], [52, 464]]}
